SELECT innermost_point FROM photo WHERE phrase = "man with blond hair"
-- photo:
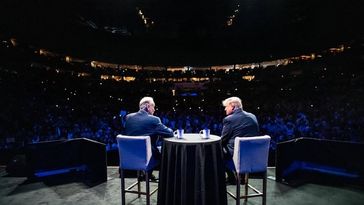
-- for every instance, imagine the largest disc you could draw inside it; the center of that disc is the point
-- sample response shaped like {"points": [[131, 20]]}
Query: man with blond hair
{"points": [[237, 123]]}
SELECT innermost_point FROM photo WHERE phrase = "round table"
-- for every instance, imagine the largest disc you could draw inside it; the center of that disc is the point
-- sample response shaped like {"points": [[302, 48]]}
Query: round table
{"points": [[192, 171], [193, 138]]}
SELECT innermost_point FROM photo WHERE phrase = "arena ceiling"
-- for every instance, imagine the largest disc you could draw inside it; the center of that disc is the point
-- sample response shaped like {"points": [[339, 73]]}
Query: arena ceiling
{"points": [[182, 32]]}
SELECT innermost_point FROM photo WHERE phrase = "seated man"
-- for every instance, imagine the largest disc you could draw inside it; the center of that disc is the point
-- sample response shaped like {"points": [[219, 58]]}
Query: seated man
{"points": [[143, 123], [238, 123]]}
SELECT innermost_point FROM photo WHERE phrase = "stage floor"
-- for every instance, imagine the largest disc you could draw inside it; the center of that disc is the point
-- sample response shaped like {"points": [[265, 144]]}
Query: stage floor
{"points": [[19, 190]]}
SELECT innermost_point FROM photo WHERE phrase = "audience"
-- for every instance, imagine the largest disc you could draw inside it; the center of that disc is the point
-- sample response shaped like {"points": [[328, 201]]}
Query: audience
{"points": [[319, 99]]}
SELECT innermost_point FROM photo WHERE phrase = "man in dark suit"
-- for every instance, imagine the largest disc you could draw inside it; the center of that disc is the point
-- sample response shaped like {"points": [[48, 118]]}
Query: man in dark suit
{"points": [[143, 123], [237, 123]]}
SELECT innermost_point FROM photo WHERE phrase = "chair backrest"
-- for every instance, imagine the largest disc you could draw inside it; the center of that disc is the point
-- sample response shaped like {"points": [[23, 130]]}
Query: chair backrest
{"points": [[251, 154], [135, 152]]}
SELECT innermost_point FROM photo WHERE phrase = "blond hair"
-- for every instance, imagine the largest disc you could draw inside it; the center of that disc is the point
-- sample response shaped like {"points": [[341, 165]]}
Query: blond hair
{"points": [[235, 101]]}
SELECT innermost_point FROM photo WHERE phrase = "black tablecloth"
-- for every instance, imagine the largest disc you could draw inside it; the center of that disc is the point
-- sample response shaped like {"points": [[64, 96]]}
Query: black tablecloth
{"points": [[192, 173]]}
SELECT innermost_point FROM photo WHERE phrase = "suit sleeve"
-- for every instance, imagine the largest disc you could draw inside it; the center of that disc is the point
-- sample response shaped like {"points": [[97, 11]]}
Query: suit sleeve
{"points": [[226, 132], [162, 130]]}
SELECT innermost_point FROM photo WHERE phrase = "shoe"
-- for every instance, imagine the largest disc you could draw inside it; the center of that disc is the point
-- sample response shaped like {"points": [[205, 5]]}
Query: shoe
{"points": [[242, 182], [151, 177], [230, 181]]}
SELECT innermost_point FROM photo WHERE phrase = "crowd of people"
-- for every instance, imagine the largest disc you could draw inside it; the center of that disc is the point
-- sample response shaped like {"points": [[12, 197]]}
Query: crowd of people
{"points": [[320, 99]]}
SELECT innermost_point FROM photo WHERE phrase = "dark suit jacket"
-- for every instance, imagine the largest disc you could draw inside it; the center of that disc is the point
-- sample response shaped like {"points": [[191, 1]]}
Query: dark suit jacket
{"points": [[238, 124], [142, 124]]}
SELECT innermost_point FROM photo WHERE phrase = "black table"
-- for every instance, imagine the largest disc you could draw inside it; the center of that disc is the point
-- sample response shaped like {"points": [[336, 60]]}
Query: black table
{"points": [[192, 172]]}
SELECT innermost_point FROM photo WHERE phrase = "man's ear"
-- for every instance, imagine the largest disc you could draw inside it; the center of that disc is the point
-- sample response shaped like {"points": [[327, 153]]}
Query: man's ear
{"points": [[146, 108]]}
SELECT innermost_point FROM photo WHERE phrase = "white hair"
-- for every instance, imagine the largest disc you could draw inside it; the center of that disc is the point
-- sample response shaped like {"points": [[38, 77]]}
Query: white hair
{"points": [[145, 101], [235, 101]]}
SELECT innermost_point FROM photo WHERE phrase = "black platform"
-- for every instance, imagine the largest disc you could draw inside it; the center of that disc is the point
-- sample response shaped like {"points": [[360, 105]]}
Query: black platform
{"points": [[306, 159], [67, 156]]}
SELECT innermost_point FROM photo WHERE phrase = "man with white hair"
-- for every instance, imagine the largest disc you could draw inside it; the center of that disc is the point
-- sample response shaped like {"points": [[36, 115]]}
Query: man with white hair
{"points": [[237, 123], [143, 123]]}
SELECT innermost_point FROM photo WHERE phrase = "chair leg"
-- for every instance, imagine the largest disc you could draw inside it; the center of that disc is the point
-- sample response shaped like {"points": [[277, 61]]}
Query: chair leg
{"points": [[237, 188], [138, 178], [147, 187], [246, 180], [265, 188], [122, 187]]}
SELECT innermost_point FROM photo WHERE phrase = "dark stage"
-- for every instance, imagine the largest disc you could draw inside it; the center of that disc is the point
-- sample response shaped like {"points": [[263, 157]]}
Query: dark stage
{"points": [[66, 190]]}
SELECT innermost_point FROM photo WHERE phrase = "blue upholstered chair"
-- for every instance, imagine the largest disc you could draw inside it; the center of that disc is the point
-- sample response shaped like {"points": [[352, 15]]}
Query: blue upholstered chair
{"points": [[250, 156], [135, 153]]}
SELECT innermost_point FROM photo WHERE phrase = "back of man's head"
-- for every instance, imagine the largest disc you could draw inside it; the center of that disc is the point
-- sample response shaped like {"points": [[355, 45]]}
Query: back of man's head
{"points": [[145, 101], [235, 101]]}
